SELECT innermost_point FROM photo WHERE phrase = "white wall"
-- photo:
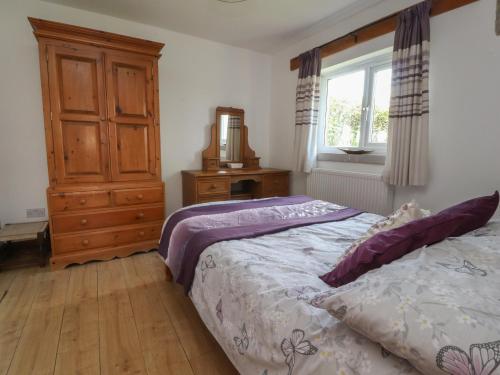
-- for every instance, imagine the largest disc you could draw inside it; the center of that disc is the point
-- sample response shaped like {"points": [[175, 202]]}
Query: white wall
{"points": [[465, 100], [196, 76]]}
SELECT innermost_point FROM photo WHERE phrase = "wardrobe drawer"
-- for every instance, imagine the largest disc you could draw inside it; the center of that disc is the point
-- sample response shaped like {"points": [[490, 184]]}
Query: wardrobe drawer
{"points": [[113, 237], [275, 184], [137, 196], [79, 200], [96, 220], [214, 186]]}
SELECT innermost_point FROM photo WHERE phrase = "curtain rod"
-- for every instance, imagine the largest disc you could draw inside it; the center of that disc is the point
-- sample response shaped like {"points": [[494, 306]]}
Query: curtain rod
{"points": [[377, 28]]}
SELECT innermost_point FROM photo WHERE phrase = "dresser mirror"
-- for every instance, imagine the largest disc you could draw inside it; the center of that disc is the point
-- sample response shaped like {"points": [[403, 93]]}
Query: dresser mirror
{"points": [[229, 142], [230, 136]]}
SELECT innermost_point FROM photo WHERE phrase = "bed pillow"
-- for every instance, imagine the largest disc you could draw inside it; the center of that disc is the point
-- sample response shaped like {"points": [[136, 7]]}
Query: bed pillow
{"points": [[385, 247], [479, 211], [407, 212], [437, 307]]}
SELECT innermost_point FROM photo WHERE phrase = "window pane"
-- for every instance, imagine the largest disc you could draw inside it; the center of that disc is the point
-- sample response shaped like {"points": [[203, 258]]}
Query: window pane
{"points": [[381, 99], [343, 114]]}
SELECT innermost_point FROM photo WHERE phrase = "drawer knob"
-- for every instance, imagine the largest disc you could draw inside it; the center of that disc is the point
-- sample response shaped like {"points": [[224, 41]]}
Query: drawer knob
{"points": [[141, 234], [213, 186], [140, 215], [140, 196], [83, 201], [83, 221], [85, 242]]}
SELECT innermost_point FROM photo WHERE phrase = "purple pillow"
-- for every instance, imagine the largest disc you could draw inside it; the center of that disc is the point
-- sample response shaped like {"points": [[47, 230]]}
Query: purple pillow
{"points": [[385, 247], [479, 211]]}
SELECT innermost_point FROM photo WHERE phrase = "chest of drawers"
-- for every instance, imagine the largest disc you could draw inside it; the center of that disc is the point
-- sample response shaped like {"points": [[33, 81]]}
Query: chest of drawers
{"points": [[111, 220]]}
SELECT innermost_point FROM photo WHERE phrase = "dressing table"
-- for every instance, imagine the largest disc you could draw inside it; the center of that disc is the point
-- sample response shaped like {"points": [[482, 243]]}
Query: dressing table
{"points": [[229, 146]]}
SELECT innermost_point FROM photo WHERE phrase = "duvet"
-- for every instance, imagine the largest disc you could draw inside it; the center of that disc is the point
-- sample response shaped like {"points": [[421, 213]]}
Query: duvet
{"points": [[257, 298]]}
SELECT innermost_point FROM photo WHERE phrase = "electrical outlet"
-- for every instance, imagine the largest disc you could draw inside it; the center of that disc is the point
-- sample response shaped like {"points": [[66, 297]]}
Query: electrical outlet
{"points": [[35, 212]]}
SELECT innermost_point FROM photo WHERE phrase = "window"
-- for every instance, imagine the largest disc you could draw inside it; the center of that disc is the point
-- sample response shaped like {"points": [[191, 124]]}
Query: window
{"points": [[355, 99]]}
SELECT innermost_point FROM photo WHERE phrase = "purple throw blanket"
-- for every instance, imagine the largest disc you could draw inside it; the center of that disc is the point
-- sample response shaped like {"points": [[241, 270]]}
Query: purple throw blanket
{"points": [[189, 232]]}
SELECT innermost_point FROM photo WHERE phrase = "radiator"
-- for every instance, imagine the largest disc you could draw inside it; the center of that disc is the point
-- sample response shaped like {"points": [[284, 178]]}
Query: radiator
{"points": [[363, 191]]}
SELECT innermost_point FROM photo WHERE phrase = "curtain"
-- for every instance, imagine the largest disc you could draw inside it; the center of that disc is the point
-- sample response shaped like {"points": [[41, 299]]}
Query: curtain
{"points": [[408, 139], [233, 139], [498, 18], [306, 113]]}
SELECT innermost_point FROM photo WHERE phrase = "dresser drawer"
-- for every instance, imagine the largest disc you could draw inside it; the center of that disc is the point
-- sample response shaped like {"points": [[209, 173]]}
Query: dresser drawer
{"points": [[275, 184], [127, 197], [78, 200], [113, 237], [212, 198], [214, 186], [95, 220]]}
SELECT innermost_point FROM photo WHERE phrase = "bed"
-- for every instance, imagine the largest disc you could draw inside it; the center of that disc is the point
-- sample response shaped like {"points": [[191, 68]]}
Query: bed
{"points": [[257, 296]]}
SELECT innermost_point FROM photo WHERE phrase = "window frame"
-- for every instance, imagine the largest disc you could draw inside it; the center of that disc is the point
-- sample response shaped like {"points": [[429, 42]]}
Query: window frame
{"points": [[371, 65]]}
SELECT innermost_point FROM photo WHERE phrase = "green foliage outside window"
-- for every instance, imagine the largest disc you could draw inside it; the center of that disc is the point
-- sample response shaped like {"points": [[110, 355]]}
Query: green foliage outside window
{"points": [[344, 124]]}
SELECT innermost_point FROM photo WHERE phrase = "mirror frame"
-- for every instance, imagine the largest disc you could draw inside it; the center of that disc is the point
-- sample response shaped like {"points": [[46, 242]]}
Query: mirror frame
{"points": [[211, 155]]}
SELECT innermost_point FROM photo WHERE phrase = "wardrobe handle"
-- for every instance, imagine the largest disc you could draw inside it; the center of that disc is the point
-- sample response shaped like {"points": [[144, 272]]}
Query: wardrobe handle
{"points": [[83, 221], [85, 242], [140, 196], [140, 215]]}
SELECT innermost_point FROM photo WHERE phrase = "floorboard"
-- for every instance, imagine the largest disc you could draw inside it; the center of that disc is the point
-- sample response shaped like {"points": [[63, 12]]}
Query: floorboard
{"points": [[37, 348], [120, 350], [14, 310], [162, 351], [115, 317], [78, 350]]}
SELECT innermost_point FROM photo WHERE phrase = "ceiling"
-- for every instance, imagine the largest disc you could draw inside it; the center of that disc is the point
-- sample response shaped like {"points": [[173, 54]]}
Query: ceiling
{"points": [[261, 25]]}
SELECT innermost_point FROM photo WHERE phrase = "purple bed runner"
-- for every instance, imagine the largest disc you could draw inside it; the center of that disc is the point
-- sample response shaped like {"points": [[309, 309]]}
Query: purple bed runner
{"points": [[189, 232]]}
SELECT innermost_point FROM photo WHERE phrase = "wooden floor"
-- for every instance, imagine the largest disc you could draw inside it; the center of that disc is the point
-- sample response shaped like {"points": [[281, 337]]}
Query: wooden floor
{"points": [[116, 317]]}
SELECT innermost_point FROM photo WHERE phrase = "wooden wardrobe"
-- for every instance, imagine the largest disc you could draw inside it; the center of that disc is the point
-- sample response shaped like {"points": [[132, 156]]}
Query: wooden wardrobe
{"points": [[102, 130]]}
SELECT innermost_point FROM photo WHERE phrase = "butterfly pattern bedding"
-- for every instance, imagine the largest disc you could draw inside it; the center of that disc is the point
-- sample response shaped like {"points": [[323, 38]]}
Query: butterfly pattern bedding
{"points": [[256, 297], [438, 307], [190, 231]]}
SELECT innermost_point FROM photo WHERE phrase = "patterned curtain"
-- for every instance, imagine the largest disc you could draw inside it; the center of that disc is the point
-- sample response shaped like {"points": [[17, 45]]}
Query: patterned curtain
{"points": [[306, 114], [408, 140], [498, 18]]}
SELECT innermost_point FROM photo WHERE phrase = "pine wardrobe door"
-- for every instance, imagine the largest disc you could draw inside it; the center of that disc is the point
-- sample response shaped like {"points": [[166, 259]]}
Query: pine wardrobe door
{"points": [[78, 113], [130, 100]]}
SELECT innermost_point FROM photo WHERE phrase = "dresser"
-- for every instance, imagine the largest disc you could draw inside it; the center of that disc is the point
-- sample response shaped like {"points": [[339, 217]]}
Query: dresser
{"points": [[211, 186], [102, 131]]}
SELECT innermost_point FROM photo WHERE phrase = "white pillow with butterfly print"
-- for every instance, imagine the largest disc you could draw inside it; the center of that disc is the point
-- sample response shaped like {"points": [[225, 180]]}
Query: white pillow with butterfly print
{"points": [[438, 307]]}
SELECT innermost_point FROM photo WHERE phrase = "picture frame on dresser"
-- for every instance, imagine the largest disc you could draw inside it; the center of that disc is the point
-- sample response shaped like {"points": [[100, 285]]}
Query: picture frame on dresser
{"points": [[102, 129]]}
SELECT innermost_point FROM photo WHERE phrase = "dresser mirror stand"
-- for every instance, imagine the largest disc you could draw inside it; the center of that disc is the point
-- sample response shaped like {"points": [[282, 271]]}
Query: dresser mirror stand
{"points": [[229, 147], [229, 142]]}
